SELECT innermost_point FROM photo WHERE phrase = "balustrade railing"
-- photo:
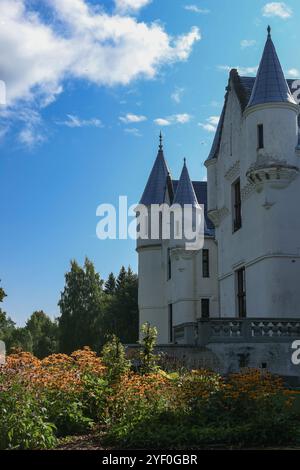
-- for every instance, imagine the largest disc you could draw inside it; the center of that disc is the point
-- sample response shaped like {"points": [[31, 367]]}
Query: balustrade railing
{"points": [[227, 330]]}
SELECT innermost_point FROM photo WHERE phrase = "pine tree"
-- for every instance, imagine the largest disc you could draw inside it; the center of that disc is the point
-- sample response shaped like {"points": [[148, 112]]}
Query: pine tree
{"points": [[124, 307], [110, 285], [121, 279]]}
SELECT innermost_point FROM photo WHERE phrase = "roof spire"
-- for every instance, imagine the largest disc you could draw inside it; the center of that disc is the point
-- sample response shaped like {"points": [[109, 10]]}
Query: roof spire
{"points": [[185, 193], [160, 141], [270, 85], [155, 189]]}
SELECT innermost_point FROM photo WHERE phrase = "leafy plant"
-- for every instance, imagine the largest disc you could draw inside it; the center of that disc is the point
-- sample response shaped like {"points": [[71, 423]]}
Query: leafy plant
{"points": [[24, 422], [114, 358], [147, 357]]}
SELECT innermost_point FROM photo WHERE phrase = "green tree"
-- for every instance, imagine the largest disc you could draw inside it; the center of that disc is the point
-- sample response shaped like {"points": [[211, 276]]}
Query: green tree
{"points": [[82, 308], [6, 324], [2, 294], [122, 315], [44, 333], [110, 285], [20, 338]]}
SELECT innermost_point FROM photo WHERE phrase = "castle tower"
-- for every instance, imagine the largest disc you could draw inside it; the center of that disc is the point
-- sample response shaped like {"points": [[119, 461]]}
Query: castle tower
{"points": [[183, 282], [151, 264], [271, 115], [253, 193]]}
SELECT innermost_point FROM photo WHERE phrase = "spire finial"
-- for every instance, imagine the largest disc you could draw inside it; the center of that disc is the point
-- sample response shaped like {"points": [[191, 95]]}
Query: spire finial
{"points": [[184, 160], [160, 141], [269, 31]]}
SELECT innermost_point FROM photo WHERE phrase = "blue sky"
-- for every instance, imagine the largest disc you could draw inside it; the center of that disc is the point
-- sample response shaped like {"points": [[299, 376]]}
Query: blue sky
{"points": [[89, 86]]}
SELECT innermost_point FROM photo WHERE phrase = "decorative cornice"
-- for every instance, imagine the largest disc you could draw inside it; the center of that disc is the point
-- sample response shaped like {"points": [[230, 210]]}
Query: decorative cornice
{"points": [[278, 176], [217, 215], [210, 161], [247, 190], [233, 171]]}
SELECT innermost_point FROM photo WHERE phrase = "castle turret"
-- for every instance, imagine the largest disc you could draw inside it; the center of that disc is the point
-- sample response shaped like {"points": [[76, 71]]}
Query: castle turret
{"points": [[271, 119], [184, 289], [152, 265]]}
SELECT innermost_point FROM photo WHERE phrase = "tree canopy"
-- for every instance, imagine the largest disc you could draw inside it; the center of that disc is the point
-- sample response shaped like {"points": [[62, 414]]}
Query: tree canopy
{"points": [[91, 310]]}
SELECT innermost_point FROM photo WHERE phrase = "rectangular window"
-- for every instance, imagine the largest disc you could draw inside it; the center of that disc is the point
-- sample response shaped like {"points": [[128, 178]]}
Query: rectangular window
{"points": [[205, 308], [237, 206], [169, 264], [241, 292], [170, 323], [260, 136], [205, 263]]}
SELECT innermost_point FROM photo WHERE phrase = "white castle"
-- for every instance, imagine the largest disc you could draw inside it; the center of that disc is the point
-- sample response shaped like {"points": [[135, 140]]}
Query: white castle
{"points": [[236, 302]]}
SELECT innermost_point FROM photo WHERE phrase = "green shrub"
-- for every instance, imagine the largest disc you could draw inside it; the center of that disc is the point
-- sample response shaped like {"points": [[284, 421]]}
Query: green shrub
{"points": [[68, 413], [95, 397], [114, 358], [149, 360], [24, 423], [173, 430]]}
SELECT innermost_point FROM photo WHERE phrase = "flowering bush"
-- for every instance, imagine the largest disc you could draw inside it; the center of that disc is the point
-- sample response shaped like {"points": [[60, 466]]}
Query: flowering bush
{"points": [[42, 400]]}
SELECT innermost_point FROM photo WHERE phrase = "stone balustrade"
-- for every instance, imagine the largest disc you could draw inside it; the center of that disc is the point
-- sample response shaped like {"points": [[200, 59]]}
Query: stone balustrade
{"points": [[232, 330]]}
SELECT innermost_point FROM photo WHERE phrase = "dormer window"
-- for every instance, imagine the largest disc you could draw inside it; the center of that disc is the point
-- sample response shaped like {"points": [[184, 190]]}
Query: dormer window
{"points": [[260, 136]]}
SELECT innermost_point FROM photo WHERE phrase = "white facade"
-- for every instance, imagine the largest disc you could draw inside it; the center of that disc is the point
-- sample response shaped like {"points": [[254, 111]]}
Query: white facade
{"points": [[172, 286], [252, 170]]}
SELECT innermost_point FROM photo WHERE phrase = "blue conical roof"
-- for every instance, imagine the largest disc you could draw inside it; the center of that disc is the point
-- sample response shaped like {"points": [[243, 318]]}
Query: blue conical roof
{"points": [[155, 189], [185, 193], [270, 85]]}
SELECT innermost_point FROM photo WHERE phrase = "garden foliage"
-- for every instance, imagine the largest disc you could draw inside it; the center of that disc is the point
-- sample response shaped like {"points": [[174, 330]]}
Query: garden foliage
{"points": [[61, 395]]}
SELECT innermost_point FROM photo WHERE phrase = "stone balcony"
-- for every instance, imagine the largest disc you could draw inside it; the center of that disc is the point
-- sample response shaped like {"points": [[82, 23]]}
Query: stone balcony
{"points": [[236, 330]]}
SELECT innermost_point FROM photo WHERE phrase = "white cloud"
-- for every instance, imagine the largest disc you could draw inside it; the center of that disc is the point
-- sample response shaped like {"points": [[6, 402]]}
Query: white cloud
{"points": [[75, 121], [124, 6], [196, 9], [247, 43], [133, 131], [30, 137], [182, 118], [241, 70], [79, 41], [132, 118], [162, 122], [177, 95], [174, 119], [211, 124], [3, 131], [30, 125], [293, 73], [280, 9]]}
